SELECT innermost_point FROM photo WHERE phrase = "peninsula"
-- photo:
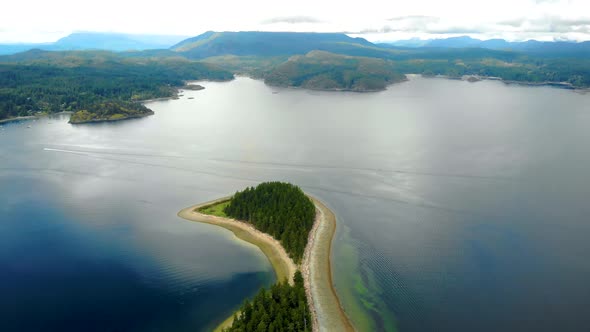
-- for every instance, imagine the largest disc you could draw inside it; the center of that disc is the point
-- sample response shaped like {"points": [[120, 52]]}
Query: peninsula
{"points": [[304, 227]]}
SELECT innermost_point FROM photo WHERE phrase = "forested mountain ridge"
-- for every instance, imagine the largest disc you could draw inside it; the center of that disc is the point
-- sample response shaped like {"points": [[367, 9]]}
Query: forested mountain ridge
{"points": [[98, 41], [260, 43], [267, 55], [542, 48]]}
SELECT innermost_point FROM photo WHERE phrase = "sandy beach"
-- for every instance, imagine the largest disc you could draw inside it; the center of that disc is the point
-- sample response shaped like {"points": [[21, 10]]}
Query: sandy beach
{"points": [[316, 267], [326, 311]]}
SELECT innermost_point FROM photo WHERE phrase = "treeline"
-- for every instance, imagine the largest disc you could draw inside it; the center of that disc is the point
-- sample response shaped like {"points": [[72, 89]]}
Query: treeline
{"points": [[282, 308], [573, 71], [279, 209], [52, 83]]}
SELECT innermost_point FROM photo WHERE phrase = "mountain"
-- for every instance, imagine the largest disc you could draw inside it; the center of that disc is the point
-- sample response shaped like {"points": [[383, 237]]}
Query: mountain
{"points": [[455, 42], [260, 43], [411, 43], [114, 41], [98, 41], [546, 49]]}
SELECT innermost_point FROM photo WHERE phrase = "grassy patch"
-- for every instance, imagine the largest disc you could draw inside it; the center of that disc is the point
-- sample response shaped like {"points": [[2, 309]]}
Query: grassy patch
{"points": [[215, 209]]}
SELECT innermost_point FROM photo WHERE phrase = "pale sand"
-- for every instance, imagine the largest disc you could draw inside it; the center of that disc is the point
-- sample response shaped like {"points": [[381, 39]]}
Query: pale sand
{"points": [[327, 313], [325, 306]]}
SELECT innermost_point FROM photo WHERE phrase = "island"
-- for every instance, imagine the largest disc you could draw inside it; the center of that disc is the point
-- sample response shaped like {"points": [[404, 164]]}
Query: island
{"points": [[110, 111], [295, 232], [319, 70]]}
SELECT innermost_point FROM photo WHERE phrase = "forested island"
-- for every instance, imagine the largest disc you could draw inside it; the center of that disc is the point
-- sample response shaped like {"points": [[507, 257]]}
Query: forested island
{"points": [[279, 209], [295, 232], [319, 70], [95, 85]]}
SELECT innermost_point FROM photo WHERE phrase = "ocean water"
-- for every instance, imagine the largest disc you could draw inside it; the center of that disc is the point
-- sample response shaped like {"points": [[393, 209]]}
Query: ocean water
{"points": [[460, 206]]}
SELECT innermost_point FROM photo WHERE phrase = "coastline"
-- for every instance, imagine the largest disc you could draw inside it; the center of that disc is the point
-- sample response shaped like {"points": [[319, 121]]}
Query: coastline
{"points": [[330, 90], [31, 117], [282, 264], [18, 118], [135, 116], [324, 304], [477, 78], [325, 308]]}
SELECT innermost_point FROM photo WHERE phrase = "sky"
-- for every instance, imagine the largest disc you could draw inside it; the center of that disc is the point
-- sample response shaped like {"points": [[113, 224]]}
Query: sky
{"points": [[375, 20]]}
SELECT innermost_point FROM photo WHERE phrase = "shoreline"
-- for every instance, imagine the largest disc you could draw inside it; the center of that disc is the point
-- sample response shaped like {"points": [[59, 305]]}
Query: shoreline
{"points": [[31, 117], [324, 304], [135, 116], [293, 87], [325, 308], [282, 264], [478, 78]]}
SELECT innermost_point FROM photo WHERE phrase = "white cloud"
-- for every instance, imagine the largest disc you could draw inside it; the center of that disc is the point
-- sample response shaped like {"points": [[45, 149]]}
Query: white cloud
{"points": [[41, 20], [292, 20]]}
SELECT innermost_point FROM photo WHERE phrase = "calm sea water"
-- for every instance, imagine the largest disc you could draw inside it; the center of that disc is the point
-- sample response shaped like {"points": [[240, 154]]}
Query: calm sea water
{"points": [[460, 207]]}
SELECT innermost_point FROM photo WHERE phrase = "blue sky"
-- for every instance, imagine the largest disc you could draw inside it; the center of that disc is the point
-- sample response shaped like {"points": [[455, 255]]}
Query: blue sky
{"points": [[376, 20]]}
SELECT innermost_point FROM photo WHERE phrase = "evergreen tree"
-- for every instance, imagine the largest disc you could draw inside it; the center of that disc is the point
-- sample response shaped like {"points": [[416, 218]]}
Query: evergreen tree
{"points": [[279, 209]]}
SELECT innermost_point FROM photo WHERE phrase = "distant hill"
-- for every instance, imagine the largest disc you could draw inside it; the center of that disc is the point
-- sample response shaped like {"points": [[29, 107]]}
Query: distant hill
{"points": [[259, 43], [558, 48], [320, 70], [98, 41]]}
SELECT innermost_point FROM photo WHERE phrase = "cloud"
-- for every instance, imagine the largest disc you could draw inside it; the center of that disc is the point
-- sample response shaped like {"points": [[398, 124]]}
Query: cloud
{"points": [[546, 24], [422, 18], [515, 28], [430, 29], [292, 20], [514, 22]]}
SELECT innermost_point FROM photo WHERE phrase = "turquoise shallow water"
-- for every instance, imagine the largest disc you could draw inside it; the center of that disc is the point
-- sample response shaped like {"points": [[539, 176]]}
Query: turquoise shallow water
{"points": [[460, 207]]}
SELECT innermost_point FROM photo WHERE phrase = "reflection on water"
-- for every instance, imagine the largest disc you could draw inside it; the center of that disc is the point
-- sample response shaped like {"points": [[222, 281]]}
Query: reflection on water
{"points": [[460, 207]]}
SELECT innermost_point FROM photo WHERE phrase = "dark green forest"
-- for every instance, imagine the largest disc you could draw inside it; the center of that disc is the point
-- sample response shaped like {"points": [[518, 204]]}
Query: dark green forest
{"points": [[107, 85], [282, 308], [321, 70], [88, 81], [279, 209]]}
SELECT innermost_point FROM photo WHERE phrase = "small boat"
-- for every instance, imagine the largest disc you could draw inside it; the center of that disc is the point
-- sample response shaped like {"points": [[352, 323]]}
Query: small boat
{"points": [[191, 97]]}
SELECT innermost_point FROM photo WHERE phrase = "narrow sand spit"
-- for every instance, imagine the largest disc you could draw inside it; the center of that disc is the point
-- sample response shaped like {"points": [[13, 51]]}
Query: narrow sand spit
{"points": [[327, 313], [324, 304], [281, 262]]}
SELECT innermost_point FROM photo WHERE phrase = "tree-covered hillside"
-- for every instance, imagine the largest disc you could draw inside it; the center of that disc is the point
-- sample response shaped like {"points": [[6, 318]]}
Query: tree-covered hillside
{"points": [[282, 308], [51, 82], [259, 54], [279, 209], [326, 71], [260, 43]]}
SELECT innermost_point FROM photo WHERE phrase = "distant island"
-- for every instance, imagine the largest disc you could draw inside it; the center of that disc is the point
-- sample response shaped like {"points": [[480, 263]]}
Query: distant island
{"points": [[295, 232], [110, 111], [319, 70]]}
